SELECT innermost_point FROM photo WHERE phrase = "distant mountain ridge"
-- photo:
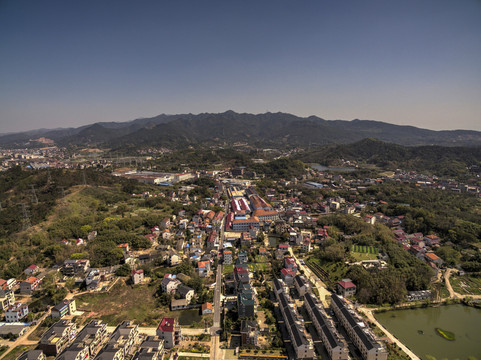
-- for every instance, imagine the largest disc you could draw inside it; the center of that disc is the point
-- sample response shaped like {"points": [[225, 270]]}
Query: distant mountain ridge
{"points": [[271, 129]]}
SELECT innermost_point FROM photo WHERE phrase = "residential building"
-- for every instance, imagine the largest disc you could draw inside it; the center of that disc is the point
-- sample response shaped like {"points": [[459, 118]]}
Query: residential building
{"points": [[302, 286], [28, 286], [170, 331], [306, 245], [242, 257], [121, 342], [16, 312], [72, 267], [207, 308], [246, 239], [32, 355], [283, 248], [369, 346], [346, 288], [179, 304], [76, 351], [432, 257], [204, 268], [290, 263], [186, 293], [301, 342], [92, 336], [249, 333], [169, 283], [152, 348], [7, 296], [58, 337], [245, 301], [63, 308], [31, 270], [137, 276], [287, 276], [227, 257], [336, 346]]}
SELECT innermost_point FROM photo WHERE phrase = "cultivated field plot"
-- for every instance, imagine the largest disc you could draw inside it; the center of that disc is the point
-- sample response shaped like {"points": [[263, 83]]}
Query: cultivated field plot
{"points": [[466, 285], [365, 249]]}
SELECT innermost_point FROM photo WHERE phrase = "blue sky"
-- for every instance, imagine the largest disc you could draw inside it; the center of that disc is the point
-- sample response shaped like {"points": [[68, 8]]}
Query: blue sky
{"points": [[69, 63]]}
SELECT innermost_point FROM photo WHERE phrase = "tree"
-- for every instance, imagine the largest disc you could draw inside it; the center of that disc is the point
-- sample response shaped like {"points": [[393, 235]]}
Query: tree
{"points": [[123, 270]]}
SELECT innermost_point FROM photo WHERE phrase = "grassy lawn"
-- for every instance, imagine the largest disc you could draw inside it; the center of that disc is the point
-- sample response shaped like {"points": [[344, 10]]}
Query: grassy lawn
{"points": [[259, 266], [261, 259], [466, 285], [363, 256], [123, 303], [228, 269], [19, 350], [3, 348]]}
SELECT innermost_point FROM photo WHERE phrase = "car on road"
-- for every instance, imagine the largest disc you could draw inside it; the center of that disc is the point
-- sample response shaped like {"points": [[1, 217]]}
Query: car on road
{"points": [[302, 262]]}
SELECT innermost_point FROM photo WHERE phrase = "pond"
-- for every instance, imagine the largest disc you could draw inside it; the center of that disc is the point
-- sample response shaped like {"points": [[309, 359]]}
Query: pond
{"points": [[416, 328], [188, 317]]}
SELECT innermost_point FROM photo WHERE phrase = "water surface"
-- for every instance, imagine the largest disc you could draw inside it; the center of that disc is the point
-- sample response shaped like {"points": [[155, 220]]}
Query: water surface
{"points": [[416, 329]]}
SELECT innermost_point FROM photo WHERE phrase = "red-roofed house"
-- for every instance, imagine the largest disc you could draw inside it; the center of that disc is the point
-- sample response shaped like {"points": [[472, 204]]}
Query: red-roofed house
{"points": [[32, 269], [431, 240], [346, 287], [288, 276], [169, 329], [290, 263], [29, 285], [137, 276], [432, 257], [283, 247], [204, 268], [207, 308], [124, 247]]}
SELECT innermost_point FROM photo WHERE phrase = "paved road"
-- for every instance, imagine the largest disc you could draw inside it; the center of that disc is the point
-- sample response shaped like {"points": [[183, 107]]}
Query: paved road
{"points": [[215, 351], [189, 354], [320, 286]]}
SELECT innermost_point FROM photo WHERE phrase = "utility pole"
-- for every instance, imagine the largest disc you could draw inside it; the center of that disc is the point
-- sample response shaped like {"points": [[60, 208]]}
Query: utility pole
{"points": [[34, 195], [84, 178], [26, 219]]}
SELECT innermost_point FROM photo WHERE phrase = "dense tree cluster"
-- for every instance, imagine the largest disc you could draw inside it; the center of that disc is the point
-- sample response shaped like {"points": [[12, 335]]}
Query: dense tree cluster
{"points": [[405, 271]]}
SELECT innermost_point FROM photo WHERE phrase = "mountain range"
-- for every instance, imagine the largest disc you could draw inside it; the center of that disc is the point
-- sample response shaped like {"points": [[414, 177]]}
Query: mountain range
{"points": [[269, 129]]}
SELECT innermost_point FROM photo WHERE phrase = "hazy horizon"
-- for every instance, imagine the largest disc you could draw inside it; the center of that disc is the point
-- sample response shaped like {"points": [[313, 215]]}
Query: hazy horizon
{"points": [[69, 64]]}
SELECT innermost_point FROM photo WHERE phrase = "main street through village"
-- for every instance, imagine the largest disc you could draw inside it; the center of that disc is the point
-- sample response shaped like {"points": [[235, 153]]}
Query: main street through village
{"points": [[216, 352]]}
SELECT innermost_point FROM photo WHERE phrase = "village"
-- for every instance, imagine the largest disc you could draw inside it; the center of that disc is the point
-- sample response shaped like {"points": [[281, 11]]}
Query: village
{"points": [[258, 248]]}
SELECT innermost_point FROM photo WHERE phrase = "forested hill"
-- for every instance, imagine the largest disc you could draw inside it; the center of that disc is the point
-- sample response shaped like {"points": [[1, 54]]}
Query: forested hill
{"points": [[269, 129], [443, 161]]}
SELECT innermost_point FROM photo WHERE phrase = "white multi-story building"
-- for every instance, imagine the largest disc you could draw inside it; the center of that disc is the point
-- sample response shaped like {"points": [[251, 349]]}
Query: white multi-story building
{"points": [[369, 346]]}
